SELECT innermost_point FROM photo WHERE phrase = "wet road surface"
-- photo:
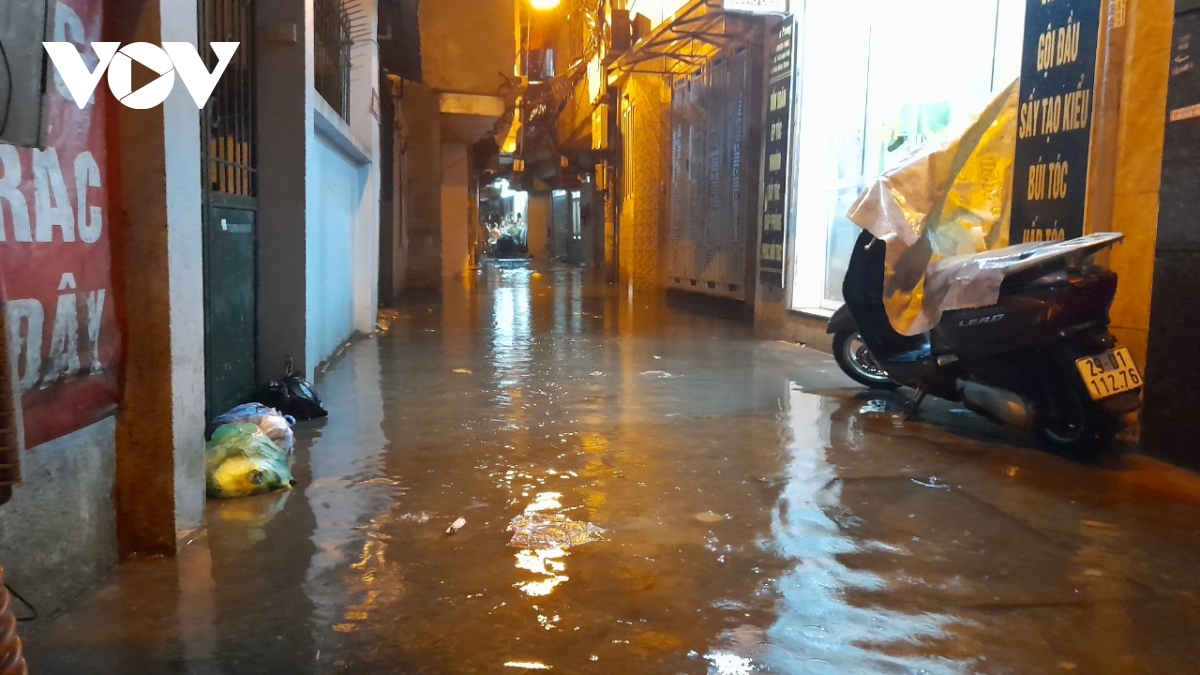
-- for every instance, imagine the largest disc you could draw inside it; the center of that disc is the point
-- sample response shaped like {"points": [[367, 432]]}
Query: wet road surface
{"points": [[760, 513]]}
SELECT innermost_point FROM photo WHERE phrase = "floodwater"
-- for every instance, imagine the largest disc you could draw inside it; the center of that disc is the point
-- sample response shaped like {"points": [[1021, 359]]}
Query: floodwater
{"points": [[726, 506]]}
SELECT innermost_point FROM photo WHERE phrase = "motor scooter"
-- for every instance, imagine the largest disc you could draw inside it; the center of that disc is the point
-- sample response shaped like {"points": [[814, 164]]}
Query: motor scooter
{"points": [[1042, 356]]}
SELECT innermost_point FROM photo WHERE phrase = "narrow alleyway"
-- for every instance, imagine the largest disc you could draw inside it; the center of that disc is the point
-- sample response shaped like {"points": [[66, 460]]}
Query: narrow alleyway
{"points": [[760, 514]]}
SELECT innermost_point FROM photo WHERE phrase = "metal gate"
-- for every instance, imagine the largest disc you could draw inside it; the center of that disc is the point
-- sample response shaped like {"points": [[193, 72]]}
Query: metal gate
{"points": [[227, 136], [711, 183], [560, 225]]}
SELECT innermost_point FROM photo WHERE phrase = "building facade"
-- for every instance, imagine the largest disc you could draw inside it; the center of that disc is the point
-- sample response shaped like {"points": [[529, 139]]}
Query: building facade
{"points": [[830, 126], [856, 117], [448, 107], [160, 263]]}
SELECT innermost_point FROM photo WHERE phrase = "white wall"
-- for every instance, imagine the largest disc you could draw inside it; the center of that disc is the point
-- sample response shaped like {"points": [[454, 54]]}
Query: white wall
{"points": [[336, 187], [342, 192]]}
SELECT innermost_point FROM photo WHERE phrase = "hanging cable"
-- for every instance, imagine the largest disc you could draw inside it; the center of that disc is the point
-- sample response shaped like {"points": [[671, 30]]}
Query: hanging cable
{"points": [[8, 79]]}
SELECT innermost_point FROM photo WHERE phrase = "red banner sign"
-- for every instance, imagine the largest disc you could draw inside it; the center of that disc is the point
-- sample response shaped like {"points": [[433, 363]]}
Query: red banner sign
{"points": [[54, 252]]}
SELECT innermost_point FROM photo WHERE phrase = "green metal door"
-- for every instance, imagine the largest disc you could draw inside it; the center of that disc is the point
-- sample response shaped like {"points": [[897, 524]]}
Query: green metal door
{"points": [[230, 307]]}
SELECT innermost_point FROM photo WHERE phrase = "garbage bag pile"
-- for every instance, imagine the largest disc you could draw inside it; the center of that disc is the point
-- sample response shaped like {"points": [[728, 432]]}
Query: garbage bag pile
{"points": [[248, 452], [293, 395], [277, 426]]}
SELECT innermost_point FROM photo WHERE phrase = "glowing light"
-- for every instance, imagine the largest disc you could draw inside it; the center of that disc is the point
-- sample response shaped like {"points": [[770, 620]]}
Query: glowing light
{"points": [[545, 501], [544, 4]]}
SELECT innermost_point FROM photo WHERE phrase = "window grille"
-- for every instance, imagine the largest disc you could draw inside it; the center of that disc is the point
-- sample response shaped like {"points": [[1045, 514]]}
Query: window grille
{"points": [[332, 41], [229, 117]]}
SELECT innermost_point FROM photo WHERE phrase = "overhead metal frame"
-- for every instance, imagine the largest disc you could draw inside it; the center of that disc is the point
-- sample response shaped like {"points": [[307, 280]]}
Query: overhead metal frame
{"points": [[696, 34]]}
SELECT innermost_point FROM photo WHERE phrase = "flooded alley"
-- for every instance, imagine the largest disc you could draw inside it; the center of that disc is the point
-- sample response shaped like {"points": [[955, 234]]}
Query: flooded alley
{"points": [[687, 499]]}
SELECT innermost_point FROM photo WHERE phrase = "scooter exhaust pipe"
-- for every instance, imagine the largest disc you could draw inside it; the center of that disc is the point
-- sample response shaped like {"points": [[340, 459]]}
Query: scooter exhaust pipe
{"points": [[998, 405]]}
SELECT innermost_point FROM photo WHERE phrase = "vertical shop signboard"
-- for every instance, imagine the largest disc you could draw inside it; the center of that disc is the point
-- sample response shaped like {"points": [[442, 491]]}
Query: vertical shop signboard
{"points": [[781, 55], [1054, 128], [54, 254]]}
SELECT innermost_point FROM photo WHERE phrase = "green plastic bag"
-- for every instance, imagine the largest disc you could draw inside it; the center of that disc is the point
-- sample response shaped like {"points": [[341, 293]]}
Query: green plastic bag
{"points": [[241, 460]]}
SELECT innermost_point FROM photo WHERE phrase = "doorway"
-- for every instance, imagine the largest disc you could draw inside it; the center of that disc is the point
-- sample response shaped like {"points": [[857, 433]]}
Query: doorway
{"points": [[230, 218]]}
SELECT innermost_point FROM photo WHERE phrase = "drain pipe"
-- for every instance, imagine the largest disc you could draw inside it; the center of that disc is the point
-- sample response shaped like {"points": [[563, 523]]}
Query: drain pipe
{"points": [[12, 659]]}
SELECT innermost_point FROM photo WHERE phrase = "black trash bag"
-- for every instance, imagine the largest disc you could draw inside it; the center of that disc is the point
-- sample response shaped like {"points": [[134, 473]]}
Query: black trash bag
{"points": [[293, 395]]}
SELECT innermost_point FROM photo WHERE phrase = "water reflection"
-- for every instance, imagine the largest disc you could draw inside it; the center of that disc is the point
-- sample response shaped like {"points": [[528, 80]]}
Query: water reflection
{"points": [[749, 528], [352, 574], [568, 303], [197, 624], [511, 329], [548, 565], [819, 629]]}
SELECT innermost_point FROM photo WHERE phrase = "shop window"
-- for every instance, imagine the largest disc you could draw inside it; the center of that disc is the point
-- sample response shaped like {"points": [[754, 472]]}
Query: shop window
{"points": [[904, 73], [541, 65]]}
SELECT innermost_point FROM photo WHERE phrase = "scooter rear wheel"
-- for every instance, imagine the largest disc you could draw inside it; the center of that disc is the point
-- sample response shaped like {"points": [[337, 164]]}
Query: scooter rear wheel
{"points": [[1069, 422], [855, 359]]}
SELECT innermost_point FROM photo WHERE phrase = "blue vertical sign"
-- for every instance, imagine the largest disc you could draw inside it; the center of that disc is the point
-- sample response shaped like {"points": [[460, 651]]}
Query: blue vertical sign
{"points": [[1058, 76], [781, 56]]}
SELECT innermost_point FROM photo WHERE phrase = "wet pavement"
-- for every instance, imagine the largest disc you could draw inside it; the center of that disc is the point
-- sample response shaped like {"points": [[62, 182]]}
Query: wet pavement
{"points": [[755, 512]]}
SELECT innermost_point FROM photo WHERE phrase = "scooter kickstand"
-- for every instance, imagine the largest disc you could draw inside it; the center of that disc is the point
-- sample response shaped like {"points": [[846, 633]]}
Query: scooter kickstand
{"points": [[914, 406]]}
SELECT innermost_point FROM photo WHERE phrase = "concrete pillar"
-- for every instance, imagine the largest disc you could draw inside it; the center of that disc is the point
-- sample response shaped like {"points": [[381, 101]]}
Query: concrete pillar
{"points": [[391, 278], [157, 244], [539, 225], [455, 210], [284, 124], [364, 122], [421, 156]]}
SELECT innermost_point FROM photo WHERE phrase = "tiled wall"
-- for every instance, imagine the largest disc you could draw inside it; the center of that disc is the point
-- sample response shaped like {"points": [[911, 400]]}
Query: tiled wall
{"points": [[642, 206], [1171, 428], [1139, 167]]}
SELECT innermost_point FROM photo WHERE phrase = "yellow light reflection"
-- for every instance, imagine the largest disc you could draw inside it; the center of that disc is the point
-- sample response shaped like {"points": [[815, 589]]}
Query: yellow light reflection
{"points": [[545, 501], [542, 562], [547, 563], [543, 4], [539, 589], [595, 443]]}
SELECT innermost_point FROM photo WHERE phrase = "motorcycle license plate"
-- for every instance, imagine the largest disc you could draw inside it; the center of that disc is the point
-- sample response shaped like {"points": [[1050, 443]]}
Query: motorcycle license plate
{"points": [[1109, 374]]}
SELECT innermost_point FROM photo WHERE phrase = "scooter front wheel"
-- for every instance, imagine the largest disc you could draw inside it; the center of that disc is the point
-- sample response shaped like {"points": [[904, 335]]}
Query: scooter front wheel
{"points": [[855, 359]]}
